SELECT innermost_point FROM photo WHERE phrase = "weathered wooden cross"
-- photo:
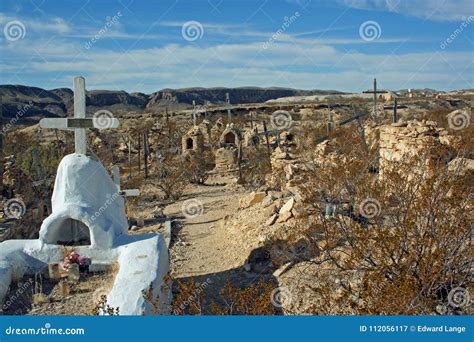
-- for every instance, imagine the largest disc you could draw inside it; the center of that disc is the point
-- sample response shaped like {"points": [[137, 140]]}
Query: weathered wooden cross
{"points": [[227, 101], [330, 122], [79, 123], [375, 92], [124, 193]]}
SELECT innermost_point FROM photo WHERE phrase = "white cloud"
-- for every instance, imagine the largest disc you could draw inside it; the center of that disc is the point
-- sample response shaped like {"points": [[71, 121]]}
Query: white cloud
{"points": [[441, 10], [288, 64], [54, 25]]}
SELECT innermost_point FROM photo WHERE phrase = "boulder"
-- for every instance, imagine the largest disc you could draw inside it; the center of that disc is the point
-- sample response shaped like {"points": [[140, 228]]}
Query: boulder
{"points": [[251, 199], [268, 200], [285, 216], [271, 220], [270, 210], [288, 206], [461, 165]]}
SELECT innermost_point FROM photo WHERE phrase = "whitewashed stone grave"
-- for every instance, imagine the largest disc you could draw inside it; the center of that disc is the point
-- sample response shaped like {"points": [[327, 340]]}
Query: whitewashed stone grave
{"points": [[88, 214]]}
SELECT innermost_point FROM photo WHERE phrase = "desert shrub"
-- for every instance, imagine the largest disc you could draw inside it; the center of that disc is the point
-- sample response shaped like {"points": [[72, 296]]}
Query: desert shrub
{"points": [[198, 166], [171, 176], [252, 300], [39, 162], [192, 298], [405, 236], [255, 167]]}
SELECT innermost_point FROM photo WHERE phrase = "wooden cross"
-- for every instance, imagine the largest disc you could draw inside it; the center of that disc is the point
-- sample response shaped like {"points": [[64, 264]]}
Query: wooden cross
{"points": [[79, 123], [394, 116], [375, 92], [194, 117], [227, 100], [124, 193], [330, 123]]}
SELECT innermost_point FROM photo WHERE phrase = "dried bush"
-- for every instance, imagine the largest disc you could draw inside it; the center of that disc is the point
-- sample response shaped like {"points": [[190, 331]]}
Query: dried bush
{"points": [[192, 298], [255, 167], [171, 176], [198, 166], [404, 239]]}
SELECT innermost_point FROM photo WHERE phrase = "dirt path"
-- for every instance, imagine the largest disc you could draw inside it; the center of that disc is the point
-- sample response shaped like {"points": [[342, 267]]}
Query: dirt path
{"points": [[201, 249], [200, 246]]}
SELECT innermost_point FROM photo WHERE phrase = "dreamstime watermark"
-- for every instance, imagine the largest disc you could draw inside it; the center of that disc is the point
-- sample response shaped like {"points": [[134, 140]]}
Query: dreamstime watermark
{"points": [[281, 119], [370, 30], [192, 30], [369, 208], [46, 330], [286, 24], [104, 207], [14, 208], [14, 30], [193, 297], [459, 297], [22, 110], [110, 21], [456, 32], [188, 124], [22, 288], [192, 208], [281, 297], [459, 119], [103, 119]]}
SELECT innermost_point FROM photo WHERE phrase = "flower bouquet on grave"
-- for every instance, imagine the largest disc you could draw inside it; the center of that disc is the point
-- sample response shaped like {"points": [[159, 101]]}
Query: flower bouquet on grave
{"points": [[75, 258]]}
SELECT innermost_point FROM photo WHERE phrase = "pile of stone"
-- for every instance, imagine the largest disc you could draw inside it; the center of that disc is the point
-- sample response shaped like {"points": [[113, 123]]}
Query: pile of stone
{"points": [[285, 162], [402, 141]]}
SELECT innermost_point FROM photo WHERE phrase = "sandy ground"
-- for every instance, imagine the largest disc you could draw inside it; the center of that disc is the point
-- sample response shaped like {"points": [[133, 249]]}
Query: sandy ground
{"points": [[199, 229], [82, 299], [200, 249]]}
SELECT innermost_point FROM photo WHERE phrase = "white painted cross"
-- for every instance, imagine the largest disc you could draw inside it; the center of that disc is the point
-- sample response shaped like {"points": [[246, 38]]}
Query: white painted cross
{"points": [[124, 193], [101, 120]]}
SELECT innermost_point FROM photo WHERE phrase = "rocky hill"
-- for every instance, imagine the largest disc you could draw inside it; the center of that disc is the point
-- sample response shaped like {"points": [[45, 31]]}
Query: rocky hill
{"points": [[29, 104], [218, 95]]}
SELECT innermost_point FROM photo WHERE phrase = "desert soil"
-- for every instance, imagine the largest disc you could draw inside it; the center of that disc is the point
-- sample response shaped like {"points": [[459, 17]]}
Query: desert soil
{"points": [[201, 249], [83, 297]]}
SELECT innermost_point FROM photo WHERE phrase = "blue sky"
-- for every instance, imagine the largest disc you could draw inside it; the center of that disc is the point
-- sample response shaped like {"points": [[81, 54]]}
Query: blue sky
{"points": [[139, 45]]}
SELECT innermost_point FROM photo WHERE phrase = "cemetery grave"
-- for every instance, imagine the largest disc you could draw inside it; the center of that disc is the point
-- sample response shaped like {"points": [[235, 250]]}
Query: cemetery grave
{"points": [[210, 196], [88, 213]]}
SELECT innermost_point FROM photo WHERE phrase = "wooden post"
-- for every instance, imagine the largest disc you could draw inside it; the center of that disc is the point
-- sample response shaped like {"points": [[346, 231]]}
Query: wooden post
{"points": [[394, 118], [139, 154], [240, 161], [229, 114], [129, 156], [375, 97], [145, 153], [251, 119], [266, 137], [329, 125]]}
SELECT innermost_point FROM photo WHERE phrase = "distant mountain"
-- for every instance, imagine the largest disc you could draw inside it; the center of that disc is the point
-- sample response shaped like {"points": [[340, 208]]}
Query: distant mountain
{"points": [[29, 104], [239, 95], [22, 103]]}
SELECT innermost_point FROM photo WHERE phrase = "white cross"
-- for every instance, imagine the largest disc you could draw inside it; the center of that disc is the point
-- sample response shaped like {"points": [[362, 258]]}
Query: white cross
{"points": [[125, 193], [80, 123]]}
